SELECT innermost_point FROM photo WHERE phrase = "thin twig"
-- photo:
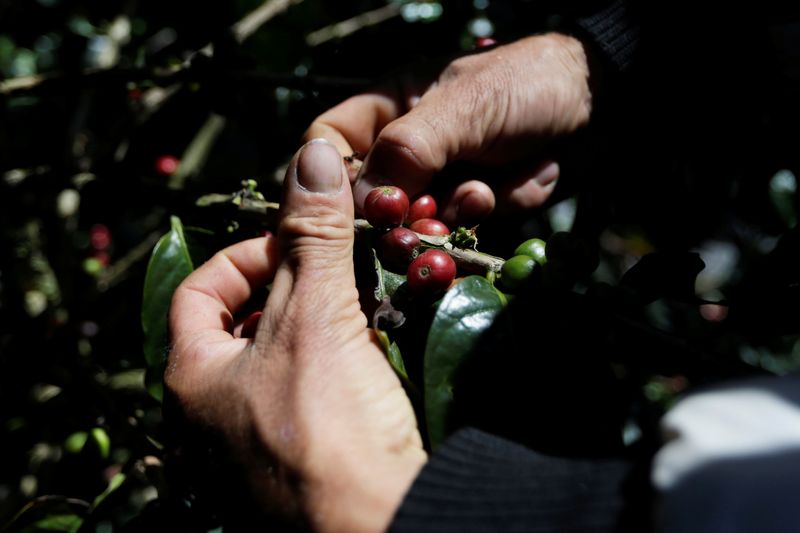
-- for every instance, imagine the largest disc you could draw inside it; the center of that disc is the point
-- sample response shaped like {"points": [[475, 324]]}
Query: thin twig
{"points": [[352, 25], [246, 27], [119, 270]]}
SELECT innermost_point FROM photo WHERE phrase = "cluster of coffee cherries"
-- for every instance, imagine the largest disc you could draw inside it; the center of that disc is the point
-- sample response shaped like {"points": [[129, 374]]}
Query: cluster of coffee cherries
{"points": [[387, 209], [522, 264]]}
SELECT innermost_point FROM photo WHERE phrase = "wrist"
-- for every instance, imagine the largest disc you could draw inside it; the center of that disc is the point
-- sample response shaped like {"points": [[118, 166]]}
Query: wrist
{"points": [[361, 497]]}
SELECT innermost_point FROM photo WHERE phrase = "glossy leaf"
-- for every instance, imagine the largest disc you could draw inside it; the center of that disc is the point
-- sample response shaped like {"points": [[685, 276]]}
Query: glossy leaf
{"points": [[463, 315], [169, 264]]}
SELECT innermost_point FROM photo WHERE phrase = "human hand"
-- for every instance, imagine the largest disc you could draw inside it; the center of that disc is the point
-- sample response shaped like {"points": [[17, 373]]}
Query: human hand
{"points": [[310, 406], [499, 107]]}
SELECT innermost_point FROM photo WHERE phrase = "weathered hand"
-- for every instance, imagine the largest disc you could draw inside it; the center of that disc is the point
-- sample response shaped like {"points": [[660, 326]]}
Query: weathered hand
{"points": [[498, 107], [310, 405]]}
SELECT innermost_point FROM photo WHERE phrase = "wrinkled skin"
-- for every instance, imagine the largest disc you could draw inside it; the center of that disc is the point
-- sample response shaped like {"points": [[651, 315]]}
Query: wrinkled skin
{"points": [[310, 405], [501, 107]]}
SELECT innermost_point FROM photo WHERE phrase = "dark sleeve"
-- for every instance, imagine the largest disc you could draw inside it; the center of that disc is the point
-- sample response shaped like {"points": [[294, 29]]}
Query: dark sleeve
{"points": [[478, 482], [613, 32]]}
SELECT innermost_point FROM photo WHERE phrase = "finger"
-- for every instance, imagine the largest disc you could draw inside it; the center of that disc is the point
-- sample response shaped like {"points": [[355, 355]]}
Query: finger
{"points": [[469, 203], [314, 289], [408, 151], [353, 125], [528, 191], [201, 319], [209, 297]]}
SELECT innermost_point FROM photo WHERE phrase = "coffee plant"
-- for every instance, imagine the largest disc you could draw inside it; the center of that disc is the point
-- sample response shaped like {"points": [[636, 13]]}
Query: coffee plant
{"points": [[138, 138]]}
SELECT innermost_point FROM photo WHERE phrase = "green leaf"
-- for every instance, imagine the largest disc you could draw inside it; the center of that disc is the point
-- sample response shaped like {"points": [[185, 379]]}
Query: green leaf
{"points": [[388, 282], [169, 264], [464, 314], [392, 354], [49, 513], [102, 441], [75, 442], [115, 483], [68, 523]]}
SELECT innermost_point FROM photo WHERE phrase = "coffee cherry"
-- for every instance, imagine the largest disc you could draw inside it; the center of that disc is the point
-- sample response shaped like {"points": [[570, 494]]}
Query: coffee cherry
{"points": [[250, 325], [398, 247], [166, 165], [533, 248], [516, 271], [100, 236], [429, 226], [386, 206], [422, 207], [431, 272], [483, 42]]}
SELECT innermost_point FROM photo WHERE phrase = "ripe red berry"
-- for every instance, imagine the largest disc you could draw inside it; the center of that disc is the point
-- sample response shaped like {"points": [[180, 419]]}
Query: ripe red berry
{"points": [[100, 237], [430, 226], [166, 165], [431, 272], [250, 325], [483, 42], [398, 247], [386, 206], [422, 207]]}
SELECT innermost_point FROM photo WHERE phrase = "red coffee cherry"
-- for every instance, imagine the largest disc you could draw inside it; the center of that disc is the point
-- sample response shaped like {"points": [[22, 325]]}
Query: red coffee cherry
{"points": [[422, 207], [398, 247], [483, 42], [429, 226], [250, 325], [431, 272], [166, 165], [386, 206], [100, 236]]}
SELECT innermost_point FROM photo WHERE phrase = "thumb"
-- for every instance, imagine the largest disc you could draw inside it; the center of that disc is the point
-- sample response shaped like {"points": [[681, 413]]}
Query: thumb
{"points": [[409, 151], [315, 281]]}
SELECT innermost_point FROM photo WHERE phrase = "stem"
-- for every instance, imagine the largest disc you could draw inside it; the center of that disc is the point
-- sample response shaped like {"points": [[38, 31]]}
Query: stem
{"points": [[352, 25]]}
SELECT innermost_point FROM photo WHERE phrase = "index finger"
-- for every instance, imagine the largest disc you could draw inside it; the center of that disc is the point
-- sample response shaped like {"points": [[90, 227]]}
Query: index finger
{"points": [[205, 302], [353, 125]]}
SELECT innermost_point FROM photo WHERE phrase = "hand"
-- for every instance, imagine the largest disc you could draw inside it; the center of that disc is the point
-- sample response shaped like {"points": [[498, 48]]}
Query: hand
{"points": [[310, 405], [499, 107]]}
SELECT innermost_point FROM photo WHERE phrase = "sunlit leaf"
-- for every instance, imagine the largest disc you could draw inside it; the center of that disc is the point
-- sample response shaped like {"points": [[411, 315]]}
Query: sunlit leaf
{"points": [[463, 315], [169, 264]]}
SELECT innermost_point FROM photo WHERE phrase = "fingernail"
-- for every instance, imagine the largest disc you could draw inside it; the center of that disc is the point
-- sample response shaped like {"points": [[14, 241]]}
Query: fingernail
{"points": [[548, 174], [319, 167]]}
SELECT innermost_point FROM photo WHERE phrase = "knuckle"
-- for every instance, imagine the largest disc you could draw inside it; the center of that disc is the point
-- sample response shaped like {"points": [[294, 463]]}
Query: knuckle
{"points": [[326, 234], [416, 139]]}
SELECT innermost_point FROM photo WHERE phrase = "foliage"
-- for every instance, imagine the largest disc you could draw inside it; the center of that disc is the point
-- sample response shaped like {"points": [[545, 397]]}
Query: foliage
{"points": [[697, 277]]}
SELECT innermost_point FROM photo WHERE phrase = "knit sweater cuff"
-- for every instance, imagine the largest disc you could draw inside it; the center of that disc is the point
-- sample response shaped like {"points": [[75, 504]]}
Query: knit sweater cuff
{"points": [[478, 482], [614, 32]]}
